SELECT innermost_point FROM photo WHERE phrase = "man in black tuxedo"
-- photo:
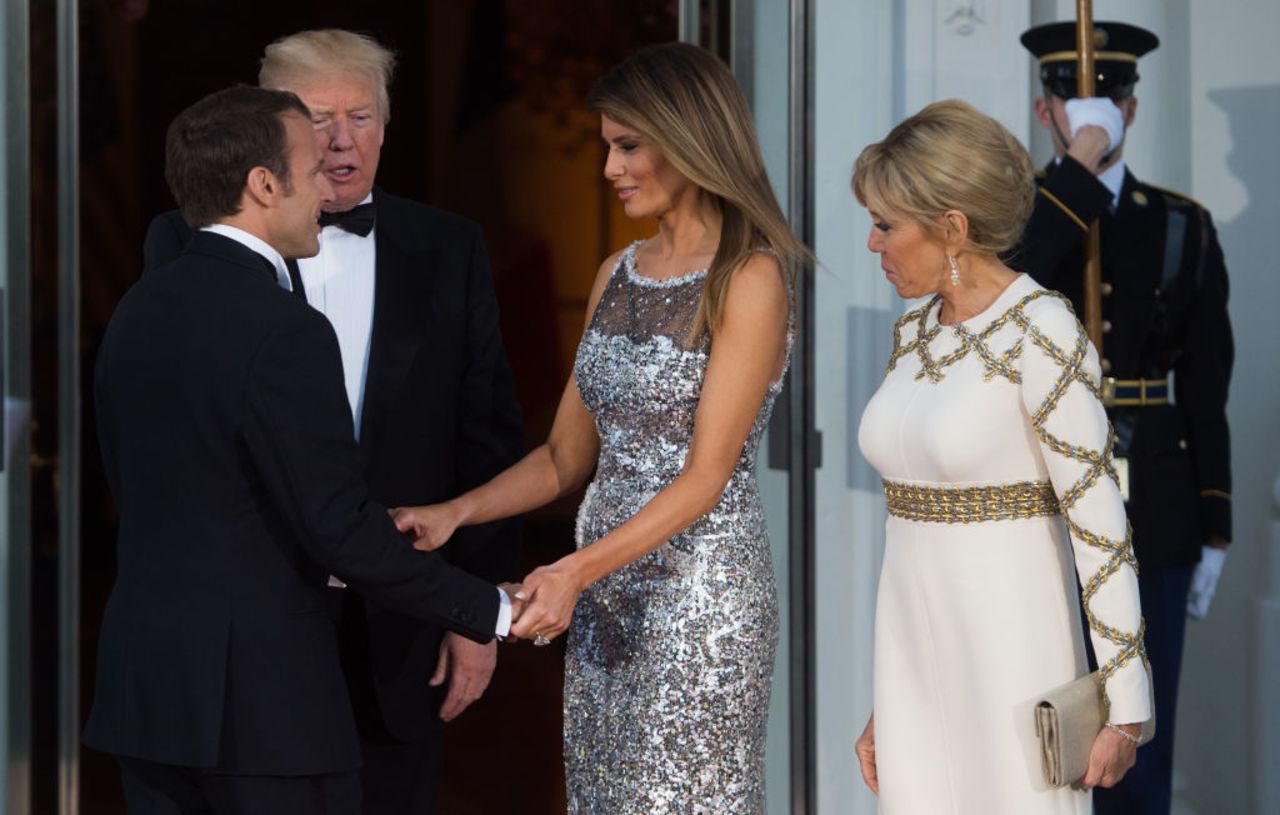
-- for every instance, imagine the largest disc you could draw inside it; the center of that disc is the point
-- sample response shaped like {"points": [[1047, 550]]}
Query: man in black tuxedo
{"points": [[409, 293], [228, 445]]}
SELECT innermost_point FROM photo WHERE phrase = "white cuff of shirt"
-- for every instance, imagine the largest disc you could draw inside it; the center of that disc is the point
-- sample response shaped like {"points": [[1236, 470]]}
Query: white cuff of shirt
{"points": [[504, 614]]}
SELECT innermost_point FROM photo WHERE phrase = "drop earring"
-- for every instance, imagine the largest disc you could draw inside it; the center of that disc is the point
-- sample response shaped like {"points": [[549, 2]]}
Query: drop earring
{"points": [[955, 270]]}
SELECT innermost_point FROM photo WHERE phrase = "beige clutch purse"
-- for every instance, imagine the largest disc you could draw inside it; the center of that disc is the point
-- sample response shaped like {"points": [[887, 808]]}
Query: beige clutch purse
{"points": [[1068, 719]]}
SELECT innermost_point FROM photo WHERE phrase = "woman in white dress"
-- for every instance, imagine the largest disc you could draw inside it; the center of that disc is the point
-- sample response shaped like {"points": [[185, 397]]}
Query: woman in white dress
{"points": [[995, 451]]}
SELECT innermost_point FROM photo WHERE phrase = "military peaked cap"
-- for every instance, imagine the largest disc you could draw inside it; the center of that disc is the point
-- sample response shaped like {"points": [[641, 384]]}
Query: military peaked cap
{"points": [[1117, 47]]}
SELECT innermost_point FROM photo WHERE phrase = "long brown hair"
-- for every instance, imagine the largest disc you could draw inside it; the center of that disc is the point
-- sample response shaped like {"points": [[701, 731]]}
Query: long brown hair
{"points": [[686, 102]]}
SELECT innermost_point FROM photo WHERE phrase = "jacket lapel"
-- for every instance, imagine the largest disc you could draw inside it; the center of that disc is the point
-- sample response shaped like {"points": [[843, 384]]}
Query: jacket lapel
{"points": [[401, 296]]}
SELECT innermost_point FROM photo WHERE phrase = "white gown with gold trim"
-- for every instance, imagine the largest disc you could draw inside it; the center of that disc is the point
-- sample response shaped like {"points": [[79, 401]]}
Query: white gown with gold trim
{"points": [[977, 612]]}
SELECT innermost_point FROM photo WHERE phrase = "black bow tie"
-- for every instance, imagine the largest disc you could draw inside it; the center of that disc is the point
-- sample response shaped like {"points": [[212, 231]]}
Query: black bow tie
{"points": [[357, 221]]}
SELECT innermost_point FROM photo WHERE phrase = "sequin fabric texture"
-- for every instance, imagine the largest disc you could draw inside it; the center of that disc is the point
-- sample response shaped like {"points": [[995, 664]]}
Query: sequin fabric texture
{"points": [[670, 658]]}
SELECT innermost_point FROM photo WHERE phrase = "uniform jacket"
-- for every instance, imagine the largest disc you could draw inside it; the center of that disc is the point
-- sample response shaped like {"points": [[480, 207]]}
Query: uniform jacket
{"points": [[227, 441], [1165, 315]]}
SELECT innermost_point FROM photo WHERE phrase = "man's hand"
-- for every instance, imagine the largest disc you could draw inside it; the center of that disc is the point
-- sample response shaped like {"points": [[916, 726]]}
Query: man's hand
{"points": [[1204, 580], [1097, 128], [468, 666], [429, 526]]}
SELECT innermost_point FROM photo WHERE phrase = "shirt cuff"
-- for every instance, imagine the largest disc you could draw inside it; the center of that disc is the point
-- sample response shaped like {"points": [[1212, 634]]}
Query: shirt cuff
{"points": [[504, 614]]}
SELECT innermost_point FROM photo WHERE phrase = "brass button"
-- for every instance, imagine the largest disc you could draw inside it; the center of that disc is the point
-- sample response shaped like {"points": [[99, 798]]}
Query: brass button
{"points": [[1106, 326], [1182, 444], [1106, 366], [1107, 288]]}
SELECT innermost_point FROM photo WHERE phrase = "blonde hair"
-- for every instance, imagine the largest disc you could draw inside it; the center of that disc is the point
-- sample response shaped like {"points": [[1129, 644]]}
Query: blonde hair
{"points": [[686, 102], [299, 58], [950, 156]]}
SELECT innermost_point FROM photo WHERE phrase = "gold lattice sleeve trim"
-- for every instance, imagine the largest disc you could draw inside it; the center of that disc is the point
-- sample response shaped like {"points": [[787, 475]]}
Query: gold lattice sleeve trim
{"points": [[1117, 554]]}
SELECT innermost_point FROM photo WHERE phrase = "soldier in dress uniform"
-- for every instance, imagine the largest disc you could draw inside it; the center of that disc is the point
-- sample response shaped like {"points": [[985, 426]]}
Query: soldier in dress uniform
{"points": [[1166, 347]]}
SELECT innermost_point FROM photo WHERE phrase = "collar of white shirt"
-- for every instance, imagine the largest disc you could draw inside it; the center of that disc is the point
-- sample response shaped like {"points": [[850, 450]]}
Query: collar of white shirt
{"points": [[1113, 179], [258, 245]]}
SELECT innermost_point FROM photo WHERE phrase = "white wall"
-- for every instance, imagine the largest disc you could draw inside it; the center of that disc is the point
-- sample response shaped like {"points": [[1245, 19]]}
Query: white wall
{"points": [[1234, 119]]}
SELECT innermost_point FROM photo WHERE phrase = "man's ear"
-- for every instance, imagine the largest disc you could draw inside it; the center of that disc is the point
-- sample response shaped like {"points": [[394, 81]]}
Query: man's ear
{"points": [[262, 186], [1130, 109], [1042, 111]]}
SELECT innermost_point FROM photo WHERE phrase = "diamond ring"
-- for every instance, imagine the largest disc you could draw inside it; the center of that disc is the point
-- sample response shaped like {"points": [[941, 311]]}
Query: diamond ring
{"points": [[540, 640]]}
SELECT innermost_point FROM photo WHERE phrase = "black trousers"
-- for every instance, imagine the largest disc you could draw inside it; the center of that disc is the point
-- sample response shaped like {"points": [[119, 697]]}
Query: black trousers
{"points": [[398, 777], [151, 788], [1147, 789]]}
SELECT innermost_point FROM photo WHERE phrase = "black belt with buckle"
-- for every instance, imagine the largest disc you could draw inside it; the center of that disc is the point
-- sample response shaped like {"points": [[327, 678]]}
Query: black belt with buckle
{"points": [[1134, 392]]}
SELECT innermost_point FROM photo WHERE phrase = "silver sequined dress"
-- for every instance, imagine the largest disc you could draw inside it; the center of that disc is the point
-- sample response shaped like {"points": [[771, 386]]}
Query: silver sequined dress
{"points": [[669, 658]]}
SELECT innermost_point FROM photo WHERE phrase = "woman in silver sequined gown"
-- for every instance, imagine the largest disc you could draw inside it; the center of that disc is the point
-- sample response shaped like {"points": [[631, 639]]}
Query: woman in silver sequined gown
{"points": [[670, 592]]}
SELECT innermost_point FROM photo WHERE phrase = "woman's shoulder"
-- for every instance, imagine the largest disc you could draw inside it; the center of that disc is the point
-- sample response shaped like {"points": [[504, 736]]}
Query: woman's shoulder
{"points": [[761, 267], [1047, 311]]}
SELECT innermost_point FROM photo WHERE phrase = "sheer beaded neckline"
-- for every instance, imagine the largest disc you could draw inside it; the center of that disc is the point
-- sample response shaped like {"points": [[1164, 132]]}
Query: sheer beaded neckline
{"points": [[633, 273]]}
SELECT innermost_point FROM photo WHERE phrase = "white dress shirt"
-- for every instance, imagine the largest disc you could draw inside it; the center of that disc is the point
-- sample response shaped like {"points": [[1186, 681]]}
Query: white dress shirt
{"points": [[1113, 179], [350, 263], [339, 283]]}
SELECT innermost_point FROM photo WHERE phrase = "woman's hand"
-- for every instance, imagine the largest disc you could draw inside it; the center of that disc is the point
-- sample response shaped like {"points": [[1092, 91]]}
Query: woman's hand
{"points": [[430, 526], [552, 592], [866, 750], [1111, 757]]}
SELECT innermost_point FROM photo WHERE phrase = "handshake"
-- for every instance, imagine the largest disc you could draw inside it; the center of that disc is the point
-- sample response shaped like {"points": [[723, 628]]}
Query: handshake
{"points": [[523, 627], [541, 605]]}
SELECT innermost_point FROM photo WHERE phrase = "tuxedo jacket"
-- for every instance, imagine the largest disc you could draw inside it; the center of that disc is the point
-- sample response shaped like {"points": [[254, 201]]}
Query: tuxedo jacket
{"points": [[227, 441], [439, 417], [1165, 315]]}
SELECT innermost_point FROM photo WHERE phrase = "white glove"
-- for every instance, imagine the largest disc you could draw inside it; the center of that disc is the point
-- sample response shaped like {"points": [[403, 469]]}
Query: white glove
{"points": [[1204, 581], [1097, 111]]}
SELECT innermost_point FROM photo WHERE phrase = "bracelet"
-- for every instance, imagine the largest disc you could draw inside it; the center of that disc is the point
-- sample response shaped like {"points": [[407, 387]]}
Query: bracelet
{"points": [[1136, 741]]}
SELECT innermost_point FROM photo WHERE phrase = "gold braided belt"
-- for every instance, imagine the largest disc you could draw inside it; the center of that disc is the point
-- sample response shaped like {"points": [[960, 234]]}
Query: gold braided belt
{"points": [[966, 505]]}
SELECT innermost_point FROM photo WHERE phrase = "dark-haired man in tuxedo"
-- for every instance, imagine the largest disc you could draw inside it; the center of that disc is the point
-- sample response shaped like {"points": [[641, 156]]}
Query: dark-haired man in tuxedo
{"points": [[228, 444], [409, 293]]}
